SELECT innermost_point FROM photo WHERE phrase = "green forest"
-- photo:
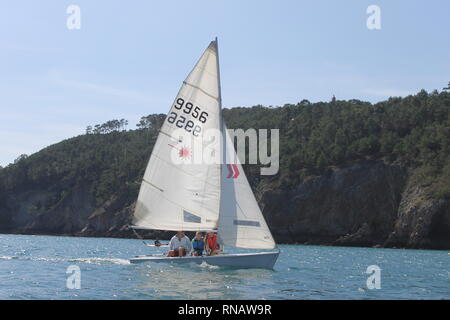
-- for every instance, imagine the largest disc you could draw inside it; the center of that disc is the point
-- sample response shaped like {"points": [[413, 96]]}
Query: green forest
{"points": [[315, 138]]}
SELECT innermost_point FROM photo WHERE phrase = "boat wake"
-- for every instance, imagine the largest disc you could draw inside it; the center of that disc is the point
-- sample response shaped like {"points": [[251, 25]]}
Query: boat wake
{"points": [[31, 258], [94, 260], [8, 257], [206, 265], [101, 260]]}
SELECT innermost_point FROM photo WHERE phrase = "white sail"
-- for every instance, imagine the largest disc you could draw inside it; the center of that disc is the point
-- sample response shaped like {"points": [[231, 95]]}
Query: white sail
{"points": [[241, 223], [179, 195]]}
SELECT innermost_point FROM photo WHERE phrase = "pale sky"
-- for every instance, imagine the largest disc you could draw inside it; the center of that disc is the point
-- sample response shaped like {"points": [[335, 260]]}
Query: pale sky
{"points": [[130, 57]]}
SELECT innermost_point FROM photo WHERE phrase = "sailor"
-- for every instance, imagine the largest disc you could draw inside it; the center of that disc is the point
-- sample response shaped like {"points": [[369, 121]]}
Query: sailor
{"points": [[212, 246], [179, 245], [198, 244]]}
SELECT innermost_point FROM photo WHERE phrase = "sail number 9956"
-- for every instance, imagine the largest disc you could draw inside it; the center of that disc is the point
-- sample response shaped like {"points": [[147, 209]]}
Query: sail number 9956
{"points": [[182, 122]]}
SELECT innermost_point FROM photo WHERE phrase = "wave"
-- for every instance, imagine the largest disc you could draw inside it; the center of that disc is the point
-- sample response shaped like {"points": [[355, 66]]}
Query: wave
{"points": [[31, 258], [9, 257], [96, 260], [93, 260]]}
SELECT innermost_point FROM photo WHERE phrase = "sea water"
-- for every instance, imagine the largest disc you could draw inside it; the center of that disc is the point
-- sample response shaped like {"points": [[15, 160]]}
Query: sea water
{"points": [[45, 267]]}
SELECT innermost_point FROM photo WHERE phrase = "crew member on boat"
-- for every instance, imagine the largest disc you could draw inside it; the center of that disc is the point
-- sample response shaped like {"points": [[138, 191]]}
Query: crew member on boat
{"points": [[179, 245], [198, 244], [212, 246]]}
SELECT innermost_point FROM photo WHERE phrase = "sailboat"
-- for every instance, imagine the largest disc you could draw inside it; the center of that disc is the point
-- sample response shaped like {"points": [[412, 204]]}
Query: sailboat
{"points": [[179, 195]]}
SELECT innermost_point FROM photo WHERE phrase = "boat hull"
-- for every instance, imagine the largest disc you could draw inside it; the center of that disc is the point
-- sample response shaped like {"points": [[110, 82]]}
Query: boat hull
{"points": [[264, 260]]}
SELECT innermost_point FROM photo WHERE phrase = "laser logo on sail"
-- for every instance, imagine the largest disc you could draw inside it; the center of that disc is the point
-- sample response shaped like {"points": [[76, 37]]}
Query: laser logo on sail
{"points": [[185, 152]]}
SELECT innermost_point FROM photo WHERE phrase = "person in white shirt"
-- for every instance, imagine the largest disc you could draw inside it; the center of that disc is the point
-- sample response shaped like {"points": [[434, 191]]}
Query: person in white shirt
{"points": [[180, 245]]}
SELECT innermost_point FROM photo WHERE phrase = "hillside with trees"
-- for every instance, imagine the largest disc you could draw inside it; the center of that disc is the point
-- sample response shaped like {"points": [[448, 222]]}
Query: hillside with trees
{"points": [[395, 153]]}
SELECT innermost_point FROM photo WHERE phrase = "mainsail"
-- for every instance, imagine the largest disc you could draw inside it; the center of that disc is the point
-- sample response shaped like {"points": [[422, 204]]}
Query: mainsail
{"points": [[184, 196], [187, 196]]}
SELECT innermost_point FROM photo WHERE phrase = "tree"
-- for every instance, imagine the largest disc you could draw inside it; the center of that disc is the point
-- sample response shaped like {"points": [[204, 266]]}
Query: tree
{"points": [[108, 127], [448, 87], [123, 124], [305, 102], [97, 129], [20, 158], [151, 122]]}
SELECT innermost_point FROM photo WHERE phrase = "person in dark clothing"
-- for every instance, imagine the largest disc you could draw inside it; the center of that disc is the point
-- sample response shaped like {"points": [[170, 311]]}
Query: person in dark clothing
{"points": [[198, 244]]}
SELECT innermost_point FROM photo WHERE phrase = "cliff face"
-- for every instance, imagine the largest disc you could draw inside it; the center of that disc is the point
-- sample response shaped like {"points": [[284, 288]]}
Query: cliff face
{"points": [[352, 206], [420, 222], [367, 204]]}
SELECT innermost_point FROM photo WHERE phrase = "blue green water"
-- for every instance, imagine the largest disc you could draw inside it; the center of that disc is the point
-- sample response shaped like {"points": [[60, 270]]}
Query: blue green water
{"points": [[34, 267]]}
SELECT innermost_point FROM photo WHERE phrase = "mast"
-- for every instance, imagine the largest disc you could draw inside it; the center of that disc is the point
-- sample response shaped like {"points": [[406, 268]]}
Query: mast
{"points": [[221, 126], [218, 73]]}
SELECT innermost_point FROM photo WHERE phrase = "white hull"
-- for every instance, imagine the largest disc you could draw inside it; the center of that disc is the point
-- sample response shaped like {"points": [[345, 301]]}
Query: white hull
{"points": [[239, 260]]}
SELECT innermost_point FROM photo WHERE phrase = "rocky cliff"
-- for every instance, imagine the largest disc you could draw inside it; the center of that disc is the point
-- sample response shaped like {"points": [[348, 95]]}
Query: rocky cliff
{"points": [[371, 203], [367, 204]]}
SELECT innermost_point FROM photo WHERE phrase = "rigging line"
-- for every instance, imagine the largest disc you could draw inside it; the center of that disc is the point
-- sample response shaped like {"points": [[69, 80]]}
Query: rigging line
{"points": [[201, 90], [139, 237]]}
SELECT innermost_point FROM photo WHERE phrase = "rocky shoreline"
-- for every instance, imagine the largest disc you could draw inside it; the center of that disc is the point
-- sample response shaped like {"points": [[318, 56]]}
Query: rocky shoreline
{"points": [[368, 204]]}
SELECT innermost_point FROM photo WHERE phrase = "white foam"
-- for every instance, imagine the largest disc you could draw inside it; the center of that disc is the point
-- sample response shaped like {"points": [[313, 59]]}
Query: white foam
{"points": [[96, 260], [8, 257], [204, 264], [44, 259]]}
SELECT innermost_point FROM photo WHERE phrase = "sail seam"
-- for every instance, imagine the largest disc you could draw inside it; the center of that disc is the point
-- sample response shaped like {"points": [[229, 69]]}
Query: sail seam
{"points": [[165, 133], [178, 168], [186, 209], [153, 185], [198, 88]]}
